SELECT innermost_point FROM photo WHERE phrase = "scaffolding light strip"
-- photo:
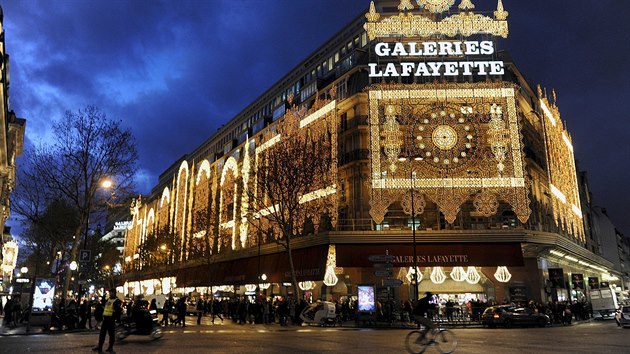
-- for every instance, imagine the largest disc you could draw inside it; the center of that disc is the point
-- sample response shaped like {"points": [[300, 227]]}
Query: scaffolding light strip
{"points": [[547, 113]]}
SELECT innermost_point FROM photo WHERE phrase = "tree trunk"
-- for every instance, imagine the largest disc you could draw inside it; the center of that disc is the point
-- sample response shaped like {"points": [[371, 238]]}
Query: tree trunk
{"points": [[293, 277], [73, 256]]}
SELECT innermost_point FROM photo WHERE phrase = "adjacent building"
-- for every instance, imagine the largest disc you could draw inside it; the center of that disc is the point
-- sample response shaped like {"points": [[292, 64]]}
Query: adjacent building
{"points": [[11, 144]]}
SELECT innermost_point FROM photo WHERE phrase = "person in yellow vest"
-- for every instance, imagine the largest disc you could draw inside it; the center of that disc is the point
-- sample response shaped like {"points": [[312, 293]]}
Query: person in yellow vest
{"points": [[111, 314]]}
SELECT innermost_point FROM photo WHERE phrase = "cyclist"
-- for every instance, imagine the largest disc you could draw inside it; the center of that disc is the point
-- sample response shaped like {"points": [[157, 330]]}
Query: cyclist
{"points": [[421, 309]]}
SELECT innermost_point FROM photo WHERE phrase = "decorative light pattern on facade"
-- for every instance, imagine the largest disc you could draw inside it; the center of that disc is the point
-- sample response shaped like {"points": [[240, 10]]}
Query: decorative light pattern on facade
{"points": [[444, 169], [188, 226], [320, 193], [181, 209], [562, 172], [320, 113], [408, 24]]}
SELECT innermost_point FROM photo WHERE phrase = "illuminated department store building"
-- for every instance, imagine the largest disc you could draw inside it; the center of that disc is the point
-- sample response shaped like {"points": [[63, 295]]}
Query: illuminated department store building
{"points": [[439, 141]]}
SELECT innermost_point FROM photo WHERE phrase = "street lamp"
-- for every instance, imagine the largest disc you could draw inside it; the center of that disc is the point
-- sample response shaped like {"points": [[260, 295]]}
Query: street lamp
{"points": [[413, 224], [106, 184]]}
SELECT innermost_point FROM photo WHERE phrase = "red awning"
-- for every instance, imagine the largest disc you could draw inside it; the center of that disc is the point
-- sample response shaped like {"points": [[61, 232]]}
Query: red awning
{"points": [[309, 264]]}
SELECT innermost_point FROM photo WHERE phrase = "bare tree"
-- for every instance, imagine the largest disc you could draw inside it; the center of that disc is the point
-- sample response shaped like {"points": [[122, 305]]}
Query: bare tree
{"points": [[48, 221], [87, 149], [293, 174], [48, 233]]}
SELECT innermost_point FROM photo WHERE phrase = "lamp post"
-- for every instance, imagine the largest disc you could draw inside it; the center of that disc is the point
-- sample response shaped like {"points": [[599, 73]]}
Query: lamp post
{"points": [[412, 176], [413, 232], [259, 261], [106, 184]]}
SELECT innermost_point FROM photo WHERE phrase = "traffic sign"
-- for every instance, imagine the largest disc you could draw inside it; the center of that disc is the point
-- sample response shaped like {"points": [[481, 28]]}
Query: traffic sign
{"points": [[381, 258], [85, 255], [392, 282], [384, 266], [383, 273]]}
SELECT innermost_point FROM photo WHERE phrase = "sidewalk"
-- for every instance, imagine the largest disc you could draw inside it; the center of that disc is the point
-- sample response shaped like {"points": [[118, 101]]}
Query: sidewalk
{"points": [[206, 323]]}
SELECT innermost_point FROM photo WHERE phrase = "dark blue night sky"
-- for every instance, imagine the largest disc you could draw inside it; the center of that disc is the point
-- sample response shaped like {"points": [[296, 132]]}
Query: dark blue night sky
{"points": [[175, 71]]}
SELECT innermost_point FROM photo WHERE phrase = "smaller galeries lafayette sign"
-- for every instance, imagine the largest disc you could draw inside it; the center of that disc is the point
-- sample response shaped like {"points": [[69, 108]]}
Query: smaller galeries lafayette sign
{"points": [[410, 59], [435, 254]]}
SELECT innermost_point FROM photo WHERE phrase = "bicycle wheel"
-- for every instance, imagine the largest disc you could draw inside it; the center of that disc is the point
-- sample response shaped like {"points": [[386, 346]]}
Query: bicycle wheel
{"points": [[413, 342], [445, 341]]}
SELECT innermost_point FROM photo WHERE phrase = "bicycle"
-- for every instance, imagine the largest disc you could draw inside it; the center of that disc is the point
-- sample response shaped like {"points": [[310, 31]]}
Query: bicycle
{"points": [[443, 339]]}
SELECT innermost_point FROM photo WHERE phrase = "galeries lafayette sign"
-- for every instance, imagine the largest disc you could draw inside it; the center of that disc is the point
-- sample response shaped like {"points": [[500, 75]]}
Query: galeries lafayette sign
{"points": [[442, 50]]}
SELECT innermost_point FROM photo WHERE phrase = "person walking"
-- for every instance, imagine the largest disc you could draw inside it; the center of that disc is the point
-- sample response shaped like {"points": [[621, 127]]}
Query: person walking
{"points": [[111, 314], [181, 311], [8, 313], [200, 308], [217, 310], [166, 310]]}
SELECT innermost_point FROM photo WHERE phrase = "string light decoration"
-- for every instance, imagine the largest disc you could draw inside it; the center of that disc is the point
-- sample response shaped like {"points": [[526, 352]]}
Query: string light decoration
{"points": [[444, 126], [410, 274], [466, 5], [562, 172], [306, 285], [264, 286], [408, 24], [437, 275], [250, 287], [472, 275], [181, 201], [458, 274], [330, 279], [200, 209], [246, 167], [435, 5], [392, 136], [502, 274], [499, 143]]}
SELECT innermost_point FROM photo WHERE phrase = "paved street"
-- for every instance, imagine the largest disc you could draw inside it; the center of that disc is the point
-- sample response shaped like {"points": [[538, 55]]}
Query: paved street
{"points": [[587, 337]]}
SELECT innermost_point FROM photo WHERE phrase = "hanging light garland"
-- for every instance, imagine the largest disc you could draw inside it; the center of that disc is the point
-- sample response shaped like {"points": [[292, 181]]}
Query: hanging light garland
{"points": [[437, 275], [306, 285], [250, 287], [502, 274], [458, 274], [410, 274], [264, 286], [472, 276], [330, 279]]}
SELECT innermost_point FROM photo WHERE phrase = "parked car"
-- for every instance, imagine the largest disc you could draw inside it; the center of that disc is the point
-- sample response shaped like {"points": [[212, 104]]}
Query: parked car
{"points": [[623, 316], [508, 316]]}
